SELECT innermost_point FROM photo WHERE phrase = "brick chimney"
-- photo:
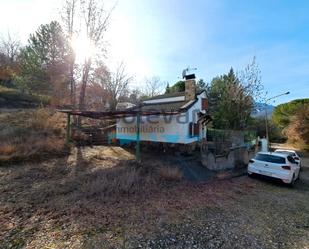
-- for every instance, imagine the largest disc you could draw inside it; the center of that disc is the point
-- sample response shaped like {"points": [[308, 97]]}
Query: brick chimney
{"points": [[190, 88]]}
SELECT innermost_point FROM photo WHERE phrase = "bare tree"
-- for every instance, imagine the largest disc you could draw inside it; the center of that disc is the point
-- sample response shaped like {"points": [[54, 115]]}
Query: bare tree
{"points": [[154, 86], [91, 18], [250, 78], [69, 18], [95, 21], [115, 84], [136, 95], [9, 51], [118, 85], [10, 47]]}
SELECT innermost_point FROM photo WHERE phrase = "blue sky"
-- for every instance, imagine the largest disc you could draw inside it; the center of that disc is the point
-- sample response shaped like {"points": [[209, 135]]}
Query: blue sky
{"points": [[157, 37]]}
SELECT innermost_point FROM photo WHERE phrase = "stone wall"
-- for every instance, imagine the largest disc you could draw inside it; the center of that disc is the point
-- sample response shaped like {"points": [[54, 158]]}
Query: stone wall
{"points": [[235, 158]]}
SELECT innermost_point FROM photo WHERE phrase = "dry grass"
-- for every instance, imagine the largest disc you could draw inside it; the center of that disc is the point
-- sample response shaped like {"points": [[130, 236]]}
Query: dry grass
{"points": [[170, 173], [97, 198], [7, 149], [56, 201], [117, 182], [46, 120], [13, 98], [31, 134]]}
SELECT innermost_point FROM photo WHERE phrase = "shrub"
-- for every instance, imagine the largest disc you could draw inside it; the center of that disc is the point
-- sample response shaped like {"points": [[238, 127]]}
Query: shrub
{"points": [[46, 120], [298, 129]]}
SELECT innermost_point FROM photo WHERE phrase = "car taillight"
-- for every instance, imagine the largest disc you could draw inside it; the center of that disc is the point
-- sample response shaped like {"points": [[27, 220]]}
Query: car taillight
{"points": [[251, 161], [287, 167]]}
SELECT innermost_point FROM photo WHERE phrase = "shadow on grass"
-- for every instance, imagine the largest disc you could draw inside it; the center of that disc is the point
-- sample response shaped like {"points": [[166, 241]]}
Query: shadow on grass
{"points": [[84, 198], [102, 200]]}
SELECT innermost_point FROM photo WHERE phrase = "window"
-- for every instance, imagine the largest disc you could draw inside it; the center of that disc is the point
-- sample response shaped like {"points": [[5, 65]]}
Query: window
{"points": [[270, 158], [285, 152], [291, 159], [194, 129]]}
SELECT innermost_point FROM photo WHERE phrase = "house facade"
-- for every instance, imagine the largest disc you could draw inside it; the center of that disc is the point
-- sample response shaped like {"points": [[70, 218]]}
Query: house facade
{"points": [[182, 118]]}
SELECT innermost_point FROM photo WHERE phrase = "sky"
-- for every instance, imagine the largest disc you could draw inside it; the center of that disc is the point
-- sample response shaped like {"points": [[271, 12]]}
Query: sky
{"points": [[163, 37]]}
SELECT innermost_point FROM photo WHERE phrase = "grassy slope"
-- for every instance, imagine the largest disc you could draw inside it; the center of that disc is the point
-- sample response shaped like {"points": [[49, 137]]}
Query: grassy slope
{"points": [[12, 98], [30, 134]]}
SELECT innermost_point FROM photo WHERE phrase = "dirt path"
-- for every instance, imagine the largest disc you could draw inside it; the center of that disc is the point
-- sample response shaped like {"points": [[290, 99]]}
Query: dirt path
{"points": [[69, 203], [259, 213]]}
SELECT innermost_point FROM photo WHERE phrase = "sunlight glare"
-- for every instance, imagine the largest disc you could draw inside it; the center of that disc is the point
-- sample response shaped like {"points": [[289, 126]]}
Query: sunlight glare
{"points": [[83, 48]]}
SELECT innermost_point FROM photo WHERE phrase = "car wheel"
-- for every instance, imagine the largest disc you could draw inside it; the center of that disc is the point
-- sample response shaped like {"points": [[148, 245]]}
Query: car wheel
{"points": [[298, 176], [293, 180]]}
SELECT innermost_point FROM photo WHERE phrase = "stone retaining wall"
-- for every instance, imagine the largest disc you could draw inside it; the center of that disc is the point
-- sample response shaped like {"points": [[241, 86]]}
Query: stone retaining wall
{"points": [[236, 158]]}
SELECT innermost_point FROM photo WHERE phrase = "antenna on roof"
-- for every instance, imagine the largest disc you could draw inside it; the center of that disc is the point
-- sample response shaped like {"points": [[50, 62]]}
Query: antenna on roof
{"points": [[185, 71]]}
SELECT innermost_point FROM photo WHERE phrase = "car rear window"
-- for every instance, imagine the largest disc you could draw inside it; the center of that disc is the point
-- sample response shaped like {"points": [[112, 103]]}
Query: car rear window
{"points": [[291, 159], [270, 158], [286, 152]]}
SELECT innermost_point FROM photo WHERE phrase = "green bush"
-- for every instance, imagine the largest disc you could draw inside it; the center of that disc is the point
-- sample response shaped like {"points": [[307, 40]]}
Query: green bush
{"points": [[282, 113]]}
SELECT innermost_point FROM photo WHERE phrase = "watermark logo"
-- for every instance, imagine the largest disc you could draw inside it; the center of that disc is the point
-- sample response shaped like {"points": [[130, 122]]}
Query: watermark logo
{"points": [[143, 129], [165, 117]]}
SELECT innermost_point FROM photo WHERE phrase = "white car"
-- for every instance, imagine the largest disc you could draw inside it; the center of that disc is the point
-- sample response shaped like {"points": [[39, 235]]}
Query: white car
{"points": [[291, 153], [276, 165]]}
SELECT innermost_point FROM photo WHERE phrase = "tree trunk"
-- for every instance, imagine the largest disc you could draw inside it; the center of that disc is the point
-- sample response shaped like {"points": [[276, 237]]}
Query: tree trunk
{"points": [[84, 85], [72, 84], [83, 89]]}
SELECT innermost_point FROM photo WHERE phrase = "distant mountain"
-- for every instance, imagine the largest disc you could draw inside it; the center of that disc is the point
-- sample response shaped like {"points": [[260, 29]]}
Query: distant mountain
{"points": [[259, 110]]}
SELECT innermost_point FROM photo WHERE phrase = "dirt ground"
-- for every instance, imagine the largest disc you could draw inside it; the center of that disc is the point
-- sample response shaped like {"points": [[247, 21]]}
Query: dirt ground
{"points": [[79, 202]]}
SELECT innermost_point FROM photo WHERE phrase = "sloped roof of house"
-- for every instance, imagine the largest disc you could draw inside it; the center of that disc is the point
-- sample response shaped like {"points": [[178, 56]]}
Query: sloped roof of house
{"points": [[167, 106], [180, 106], [174, 106], [110, 115], [171, 95], [159, 108], [167, 95]]}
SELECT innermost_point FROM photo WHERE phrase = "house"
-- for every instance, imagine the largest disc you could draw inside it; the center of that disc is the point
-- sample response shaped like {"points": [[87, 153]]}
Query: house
{"points": [[179, 117], [124, 106]]}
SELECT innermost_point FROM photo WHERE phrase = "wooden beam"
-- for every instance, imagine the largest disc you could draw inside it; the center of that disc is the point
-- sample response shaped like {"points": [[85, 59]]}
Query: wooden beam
{"points": [[117, 114]]}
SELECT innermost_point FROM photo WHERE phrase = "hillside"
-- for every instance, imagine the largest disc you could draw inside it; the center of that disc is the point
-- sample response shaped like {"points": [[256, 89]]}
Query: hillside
{"points": [[30, 135], [12, 98]]}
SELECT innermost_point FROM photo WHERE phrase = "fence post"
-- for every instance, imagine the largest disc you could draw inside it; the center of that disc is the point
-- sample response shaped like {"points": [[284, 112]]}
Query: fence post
{"points": [[138, 145], [68, 133]]}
